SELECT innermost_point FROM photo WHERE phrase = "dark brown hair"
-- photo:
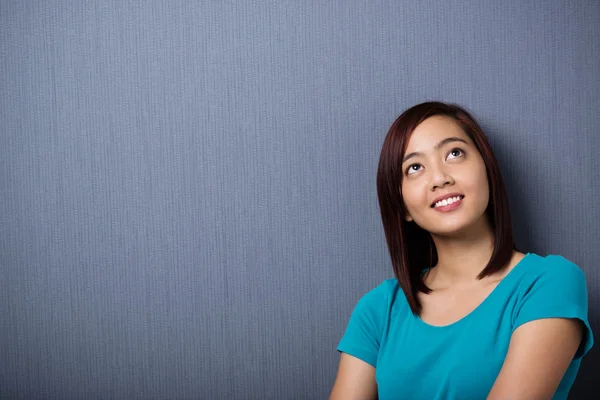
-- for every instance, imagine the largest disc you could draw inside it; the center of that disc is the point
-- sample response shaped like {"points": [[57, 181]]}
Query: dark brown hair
{"points": [[411, 248]]}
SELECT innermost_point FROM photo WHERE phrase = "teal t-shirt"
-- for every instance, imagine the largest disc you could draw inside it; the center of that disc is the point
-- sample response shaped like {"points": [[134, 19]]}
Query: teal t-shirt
{"points": [[415, 360]]}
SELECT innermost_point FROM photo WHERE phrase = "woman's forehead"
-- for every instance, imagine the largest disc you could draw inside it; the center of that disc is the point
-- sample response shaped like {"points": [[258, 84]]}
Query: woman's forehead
{"points": [[432, 131]]}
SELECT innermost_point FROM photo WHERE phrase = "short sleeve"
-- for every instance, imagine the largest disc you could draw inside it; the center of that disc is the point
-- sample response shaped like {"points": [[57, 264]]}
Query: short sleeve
{"points": [[364, 331], [558, 291]]}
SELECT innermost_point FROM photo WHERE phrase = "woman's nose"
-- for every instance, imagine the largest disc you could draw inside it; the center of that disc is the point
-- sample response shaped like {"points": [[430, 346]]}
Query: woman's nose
{"points": [[440, 178]]}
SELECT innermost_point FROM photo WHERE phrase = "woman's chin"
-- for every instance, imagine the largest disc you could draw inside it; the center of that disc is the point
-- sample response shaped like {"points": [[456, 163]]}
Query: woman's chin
{"points": [[448, 233], [459, 228], [448, 226]]}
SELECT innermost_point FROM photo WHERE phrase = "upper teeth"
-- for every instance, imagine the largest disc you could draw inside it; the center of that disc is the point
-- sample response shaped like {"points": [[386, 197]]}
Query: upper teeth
{"points": [[445, 202]]}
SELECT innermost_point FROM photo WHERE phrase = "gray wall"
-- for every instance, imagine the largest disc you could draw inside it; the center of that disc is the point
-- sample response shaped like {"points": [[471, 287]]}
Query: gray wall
{"points": [[187, 189]]}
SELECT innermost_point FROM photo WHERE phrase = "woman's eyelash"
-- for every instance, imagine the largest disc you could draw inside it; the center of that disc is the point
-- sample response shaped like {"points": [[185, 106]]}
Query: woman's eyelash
{"points": [[461, 151], [456, 149], [410, 166]]}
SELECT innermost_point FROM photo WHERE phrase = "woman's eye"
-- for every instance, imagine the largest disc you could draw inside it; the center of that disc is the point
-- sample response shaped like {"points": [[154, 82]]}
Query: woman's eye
{"points": [[455, 153], [412, 169]]}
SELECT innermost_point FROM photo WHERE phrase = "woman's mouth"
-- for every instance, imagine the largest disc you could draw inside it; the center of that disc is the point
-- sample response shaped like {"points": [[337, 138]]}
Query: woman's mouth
{"points": [[449, 204]]}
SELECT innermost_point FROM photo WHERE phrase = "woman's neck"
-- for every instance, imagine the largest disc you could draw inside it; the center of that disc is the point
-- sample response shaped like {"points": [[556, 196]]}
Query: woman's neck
{"points": [[463, 256]]}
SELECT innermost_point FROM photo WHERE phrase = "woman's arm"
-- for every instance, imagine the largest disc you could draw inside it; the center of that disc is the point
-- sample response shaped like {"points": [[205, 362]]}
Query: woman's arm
{"points": [[539, 354], [355, 380]]}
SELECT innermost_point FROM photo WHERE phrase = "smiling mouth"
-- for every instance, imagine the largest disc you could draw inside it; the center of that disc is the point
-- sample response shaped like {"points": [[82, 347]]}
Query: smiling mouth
{"points": [[448, 201]]}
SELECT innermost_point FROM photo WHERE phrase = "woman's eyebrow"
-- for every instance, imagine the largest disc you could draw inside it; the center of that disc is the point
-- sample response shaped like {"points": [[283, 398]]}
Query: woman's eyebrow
{"points": [[437, 147]]}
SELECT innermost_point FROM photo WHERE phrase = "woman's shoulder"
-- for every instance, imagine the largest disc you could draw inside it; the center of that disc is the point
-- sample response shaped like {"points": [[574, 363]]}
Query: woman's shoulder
{"points": [[383, 292], [543, 280], [382, 297], [386, 300], [551, 286], [551, 266]]}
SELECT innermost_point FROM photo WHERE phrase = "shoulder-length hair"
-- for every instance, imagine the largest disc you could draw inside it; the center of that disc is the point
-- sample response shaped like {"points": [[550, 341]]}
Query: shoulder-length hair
{"points": [[411, 248]]}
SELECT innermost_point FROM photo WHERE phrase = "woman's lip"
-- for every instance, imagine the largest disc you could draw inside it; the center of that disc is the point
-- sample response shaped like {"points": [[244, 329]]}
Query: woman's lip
{"points": [[449, 207]]}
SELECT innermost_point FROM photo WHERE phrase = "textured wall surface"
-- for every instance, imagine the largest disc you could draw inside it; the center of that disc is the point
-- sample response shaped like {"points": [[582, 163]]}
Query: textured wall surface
{"points": [[187, 189]]}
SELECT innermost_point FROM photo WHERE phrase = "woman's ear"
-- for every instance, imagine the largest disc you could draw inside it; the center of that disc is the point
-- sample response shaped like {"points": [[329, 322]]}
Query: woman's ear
{"points": [[408, 217]]}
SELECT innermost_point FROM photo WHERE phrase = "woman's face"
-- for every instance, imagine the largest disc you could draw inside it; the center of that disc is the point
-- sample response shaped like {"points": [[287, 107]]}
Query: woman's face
{"points": [[442, 162]]}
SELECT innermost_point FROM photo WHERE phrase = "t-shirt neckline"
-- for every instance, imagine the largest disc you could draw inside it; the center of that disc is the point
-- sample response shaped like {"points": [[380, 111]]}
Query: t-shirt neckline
{"points": [[487, 299]]}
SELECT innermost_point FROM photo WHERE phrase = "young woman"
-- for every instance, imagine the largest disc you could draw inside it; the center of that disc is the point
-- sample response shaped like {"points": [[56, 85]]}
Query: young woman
{"points": [[467, 316]]}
